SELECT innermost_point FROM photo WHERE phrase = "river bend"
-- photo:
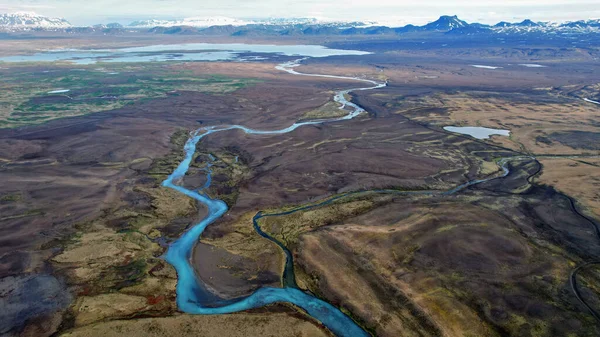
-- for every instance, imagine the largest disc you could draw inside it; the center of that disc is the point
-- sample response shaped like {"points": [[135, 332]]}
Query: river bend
{"points": [[190, 293]]}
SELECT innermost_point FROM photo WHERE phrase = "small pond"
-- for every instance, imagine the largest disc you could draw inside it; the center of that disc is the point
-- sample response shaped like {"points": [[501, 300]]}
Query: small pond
{"points": [[477, 131]]}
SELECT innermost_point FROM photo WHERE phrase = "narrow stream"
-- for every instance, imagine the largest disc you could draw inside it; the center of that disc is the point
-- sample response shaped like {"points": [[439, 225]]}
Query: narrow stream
{"points": [[191, 294]]}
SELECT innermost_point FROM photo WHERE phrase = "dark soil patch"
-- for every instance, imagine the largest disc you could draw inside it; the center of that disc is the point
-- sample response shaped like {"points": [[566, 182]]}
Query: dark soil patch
{"points": [[578, 139]]}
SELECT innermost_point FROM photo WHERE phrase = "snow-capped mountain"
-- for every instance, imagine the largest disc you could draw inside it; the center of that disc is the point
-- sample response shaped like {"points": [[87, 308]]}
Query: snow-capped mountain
{"points": [[202, 22], [313, 22], [581, 26], [27, 20], [193, 22], [453, 25], [528, 26], [445, 23]]}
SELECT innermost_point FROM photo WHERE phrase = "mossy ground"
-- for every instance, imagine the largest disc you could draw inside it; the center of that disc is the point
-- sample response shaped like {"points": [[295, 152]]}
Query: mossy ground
{"points": [[26, 96]]}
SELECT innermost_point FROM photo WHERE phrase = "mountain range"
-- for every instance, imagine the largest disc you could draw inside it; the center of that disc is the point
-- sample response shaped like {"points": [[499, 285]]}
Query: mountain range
{"points": [[298, 26], [202, 22]]}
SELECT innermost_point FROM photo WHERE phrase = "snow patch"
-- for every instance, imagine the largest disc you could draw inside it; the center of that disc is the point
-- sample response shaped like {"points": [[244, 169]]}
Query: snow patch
{"points": [[590, 101], [485, 67], [531, 65]]}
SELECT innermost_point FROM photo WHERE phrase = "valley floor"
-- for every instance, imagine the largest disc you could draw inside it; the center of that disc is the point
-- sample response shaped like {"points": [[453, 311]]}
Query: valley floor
{"points": [[84, 220]]}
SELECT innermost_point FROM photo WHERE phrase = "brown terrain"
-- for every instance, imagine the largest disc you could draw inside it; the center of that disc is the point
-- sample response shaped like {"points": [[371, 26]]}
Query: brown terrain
{"points": [[84, 220]]}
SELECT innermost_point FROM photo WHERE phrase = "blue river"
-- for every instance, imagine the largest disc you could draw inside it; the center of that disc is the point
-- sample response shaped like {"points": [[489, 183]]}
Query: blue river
{"points": [[191, 294]]}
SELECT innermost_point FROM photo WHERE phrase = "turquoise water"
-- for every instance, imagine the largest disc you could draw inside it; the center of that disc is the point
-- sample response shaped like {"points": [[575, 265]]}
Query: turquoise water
{"points": [[191, 294]]}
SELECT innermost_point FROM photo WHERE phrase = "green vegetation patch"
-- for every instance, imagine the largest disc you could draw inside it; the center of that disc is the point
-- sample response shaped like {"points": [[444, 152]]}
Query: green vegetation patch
{"points": [[162, 167], [11, 197], [288, 228], [27, 97], [327, 110], [229, 166]]}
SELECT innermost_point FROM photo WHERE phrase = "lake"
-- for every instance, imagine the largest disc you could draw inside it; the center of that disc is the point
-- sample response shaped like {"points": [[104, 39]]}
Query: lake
{"points": [[179, 52]]}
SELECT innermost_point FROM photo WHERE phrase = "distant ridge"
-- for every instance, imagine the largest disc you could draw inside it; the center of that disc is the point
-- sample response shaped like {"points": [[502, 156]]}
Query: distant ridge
{"points": [[225, 26], [204, 22], [445, 24]]}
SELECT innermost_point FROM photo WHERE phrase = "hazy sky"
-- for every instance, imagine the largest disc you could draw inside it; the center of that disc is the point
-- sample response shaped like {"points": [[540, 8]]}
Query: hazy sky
{"points": [[392, 11]]}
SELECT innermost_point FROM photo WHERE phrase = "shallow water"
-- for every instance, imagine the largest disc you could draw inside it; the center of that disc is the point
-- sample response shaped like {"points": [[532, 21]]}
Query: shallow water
{"points": [[178, 52], [477, 132]]}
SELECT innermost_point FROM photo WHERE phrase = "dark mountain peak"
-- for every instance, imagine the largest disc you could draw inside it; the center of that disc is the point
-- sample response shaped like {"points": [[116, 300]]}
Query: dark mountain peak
{"points": [[503, 24], [446, 23], [528, 23]]}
